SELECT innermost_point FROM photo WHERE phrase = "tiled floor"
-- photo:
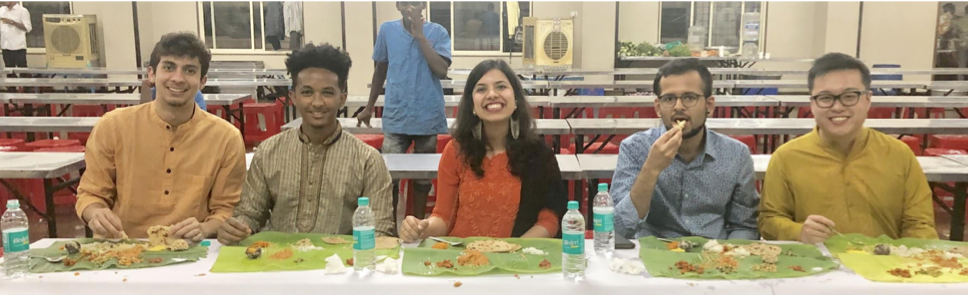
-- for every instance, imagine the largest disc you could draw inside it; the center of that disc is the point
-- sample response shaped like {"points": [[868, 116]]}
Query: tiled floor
{"points": [[69, 226]]}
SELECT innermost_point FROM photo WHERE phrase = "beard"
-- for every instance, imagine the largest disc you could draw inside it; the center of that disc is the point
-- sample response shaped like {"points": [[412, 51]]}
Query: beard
{"points": [[695, 131]]}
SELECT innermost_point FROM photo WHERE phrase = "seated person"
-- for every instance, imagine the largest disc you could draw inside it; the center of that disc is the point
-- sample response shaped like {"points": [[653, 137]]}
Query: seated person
{"points": [[497, 178], [680, 178], [153, 164], [843, 176], [308, 179]]}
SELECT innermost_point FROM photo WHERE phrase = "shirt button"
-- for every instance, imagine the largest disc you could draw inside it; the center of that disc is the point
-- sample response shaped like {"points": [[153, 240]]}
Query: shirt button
{"points": [[169, 171], [166, 192], [172, 149], [168, 127]]}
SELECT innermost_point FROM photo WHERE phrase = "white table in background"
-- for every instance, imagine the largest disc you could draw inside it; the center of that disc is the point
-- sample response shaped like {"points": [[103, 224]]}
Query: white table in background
{"points": [[41, 165], [543, 126]]}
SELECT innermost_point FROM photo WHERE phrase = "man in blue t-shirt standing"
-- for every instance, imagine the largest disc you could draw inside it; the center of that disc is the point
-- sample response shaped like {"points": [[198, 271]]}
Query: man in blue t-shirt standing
{"points": [[411, 56]]}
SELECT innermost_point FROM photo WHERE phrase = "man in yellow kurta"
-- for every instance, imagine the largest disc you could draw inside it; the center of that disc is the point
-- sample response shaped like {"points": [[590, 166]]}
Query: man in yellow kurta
{"points": [[166, 162], [843, 176]]}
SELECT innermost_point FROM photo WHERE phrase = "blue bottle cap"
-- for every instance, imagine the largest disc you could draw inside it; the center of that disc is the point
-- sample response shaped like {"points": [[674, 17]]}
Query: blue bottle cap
{"points": [[572, 205], [363, 201]]}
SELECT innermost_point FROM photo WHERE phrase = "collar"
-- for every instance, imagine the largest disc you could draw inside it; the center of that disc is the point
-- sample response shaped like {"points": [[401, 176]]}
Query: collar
{"points": [[711, 141], [197, 116], [859, 143], [329, 141]]}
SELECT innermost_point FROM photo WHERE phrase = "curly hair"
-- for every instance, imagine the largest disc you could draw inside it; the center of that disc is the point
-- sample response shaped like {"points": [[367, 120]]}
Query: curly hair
{"points": [[181, 44], [323, 56], [473, 150]]}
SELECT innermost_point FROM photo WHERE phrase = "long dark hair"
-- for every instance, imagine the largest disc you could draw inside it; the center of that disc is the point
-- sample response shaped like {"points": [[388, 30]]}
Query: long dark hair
{"points": [[473, 150]]}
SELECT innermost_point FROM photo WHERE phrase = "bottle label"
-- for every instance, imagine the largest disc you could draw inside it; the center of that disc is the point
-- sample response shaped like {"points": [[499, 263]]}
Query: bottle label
{"points": [[573, 243], [604, 222], [364, 239], [16, 241]]}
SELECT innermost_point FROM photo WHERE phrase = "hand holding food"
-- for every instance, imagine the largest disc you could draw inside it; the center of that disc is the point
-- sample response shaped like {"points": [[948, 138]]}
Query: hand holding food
{"points": [[816, 229], [232, 231]]}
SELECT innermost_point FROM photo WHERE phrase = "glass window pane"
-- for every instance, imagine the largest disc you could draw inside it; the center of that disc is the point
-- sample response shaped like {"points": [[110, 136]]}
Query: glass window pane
{"points": [[701, 17], [477, 26], [232, 25], [675, 21], [726, 23], [752, 6], [35, 39], [275, 26], [440, 14]]}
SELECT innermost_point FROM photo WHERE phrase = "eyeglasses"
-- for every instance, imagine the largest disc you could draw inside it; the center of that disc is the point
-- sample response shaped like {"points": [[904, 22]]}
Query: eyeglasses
{"points": [[688, 100], [847, 99]]}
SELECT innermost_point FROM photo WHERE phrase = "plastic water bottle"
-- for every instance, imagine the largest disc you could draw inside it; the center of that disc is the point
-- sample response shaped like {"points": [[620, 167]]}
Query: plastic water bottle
{"points": [[573, 243], [16, 240], [604, 219], [751, 34], [364, 237]]}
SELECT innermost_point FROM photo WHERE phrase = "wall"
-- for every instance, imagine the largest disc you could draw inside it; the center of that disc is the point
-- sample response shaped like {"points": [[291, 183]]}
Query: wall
{"points": [[598, 40], [841, 29], [638, 21], [360, 45], [899, 33], [895, 32]]}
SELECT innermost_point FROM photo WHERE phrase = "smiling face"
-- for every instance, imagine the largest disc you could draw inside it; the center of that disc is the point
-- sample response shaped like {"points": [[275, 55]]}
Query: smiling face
{"points": [[494, 99], [177, 79], [318, 97], [839, 122], [682, 102]]}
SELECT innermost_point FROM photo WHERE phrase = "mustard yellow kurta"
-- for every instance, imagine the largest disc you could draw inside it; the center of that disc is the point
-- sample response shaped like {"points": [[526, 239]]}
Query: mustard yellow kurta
{"points": [[150, 175], [878, 189]]}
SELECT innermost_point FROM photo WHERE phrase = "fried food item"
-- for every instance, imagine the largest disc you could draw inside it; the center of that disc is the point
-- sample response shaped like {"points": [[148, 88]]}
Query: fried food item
{"points": [[253, 252], [69, 262], [796, 268], [472, 258], [158, 235], [304, 243], [765, 267], [545, 264], [685, 267], [445, 264], [387, 242], [897, 272], [441, 246], [155, 260], [349, 262], [428, 263], [261, 244], [493, 246], [178, 245], [284, 254], [336, 240], [672, 245]]}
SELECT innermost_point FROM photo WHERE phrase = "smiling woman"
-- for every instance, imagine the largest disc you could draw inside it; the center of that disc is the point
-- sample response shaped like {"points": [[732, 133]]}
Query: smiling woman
{"points": [[497, 178]]}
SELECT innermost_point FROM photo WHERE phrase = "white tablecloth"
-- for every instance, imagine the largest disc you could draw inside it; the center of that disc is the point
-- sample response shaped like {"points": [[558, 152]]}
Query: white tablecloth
{"points": [[186, 279]]}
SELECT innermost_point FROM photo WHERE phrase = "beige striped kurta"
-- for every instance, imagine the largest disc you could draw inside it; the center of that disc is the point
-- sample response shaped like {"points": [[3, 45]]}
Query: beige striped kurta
{"points": [[298, 187]]}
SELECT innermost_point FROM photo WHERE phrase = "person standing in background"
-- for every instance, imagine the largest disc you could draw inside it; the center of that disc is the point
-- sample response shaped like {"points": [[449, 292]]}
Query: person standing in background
{"points": [[411, 56], [14, 26], [293, 11], [275, 24]]}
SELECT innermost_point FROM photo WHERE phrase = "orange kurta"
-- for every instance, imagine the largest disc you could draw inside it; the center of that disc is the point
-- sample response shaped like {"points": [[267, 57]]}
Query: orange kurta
{"points": [[481, 207]]}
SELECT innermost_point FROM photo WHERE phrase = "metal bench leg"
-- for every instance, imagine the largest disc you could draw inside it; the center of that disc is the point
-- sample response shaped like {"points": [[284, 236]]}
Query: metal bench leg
{"points": [[958, 212]]}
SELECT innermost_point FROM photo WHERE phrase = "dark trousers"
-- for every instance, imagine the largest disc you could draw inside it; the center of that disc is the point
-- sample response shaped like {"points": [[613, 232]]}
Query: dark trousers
{"points": [[15, 58]]}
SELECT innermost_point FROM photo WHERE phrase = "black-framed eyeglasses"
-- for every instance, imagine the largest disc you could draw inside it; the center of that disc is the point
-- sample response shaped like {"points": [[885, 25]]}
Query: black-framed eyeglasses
{"points": [[688, 100], [847, 99]]}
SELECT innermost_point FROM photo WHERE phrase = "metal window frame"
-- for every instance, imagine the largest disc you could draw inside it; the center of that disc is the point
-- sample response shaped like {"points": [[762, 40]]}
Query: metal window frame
{"points": [[252, 48], [709, 30], [499, 52]]}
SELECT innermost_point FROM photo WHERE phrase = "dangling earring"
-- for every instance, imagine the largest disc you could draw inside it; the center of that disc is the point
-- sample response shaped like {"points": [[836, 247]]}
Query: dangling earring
{"points": [[478, 130], [515, 128]]}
